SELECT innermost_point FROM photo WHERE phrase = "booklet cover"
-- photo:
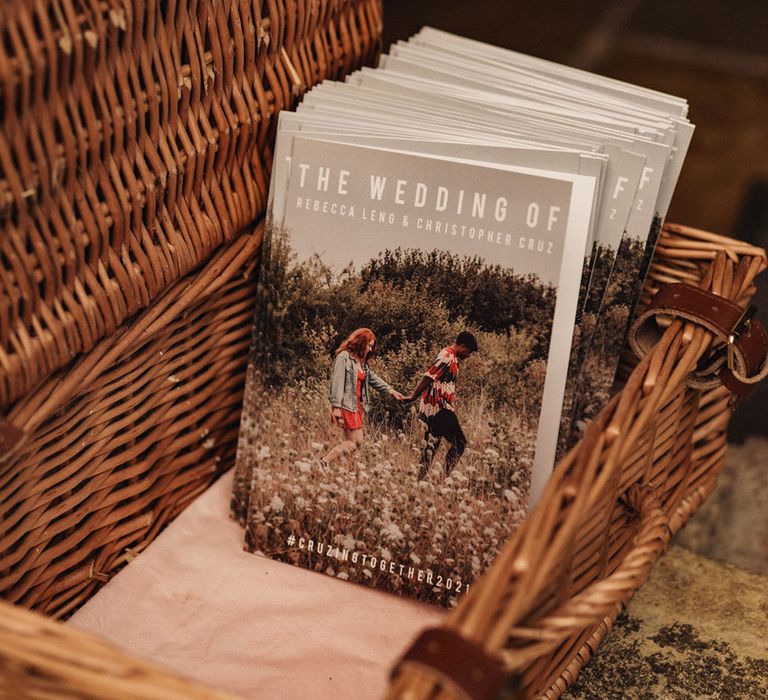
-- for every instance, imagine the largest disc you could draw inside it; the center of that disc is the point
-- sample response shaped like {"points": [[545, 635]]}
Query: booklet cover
{"points": [[409, 359], [454, 243]]}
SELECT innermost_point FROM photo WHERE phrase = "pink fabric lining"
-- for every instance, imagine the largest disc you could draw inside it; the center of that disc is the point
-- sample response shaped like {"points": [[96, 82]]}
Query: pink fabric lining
{"points": [[196, 603]]}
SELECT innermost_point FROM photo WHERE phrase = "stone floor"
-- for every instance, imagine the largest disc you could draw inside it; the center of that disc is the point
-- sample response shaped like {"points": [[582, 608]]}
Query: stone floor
{"points": [[732, 526], [698, 628]]}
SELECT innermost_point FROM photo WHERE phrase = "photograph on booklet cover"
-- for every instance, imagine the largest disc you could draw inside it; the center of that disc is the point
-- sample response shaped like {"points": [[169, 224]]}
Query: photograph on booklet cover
{"points": [[411, 344]]}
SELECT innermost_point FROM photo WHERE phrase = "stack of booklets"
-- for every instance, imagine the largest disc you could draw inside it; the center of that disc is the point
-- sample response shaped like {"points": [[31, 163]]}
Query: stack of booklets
{"points": [[455, 241]]}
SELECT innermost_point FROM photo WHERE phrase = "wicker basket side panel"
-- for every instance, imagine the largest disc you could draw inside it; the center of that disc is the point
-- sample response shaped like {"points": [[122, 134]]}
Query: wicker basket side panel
{"points": [[687, 444], [98, 480], [135, 140], [661, 458]]}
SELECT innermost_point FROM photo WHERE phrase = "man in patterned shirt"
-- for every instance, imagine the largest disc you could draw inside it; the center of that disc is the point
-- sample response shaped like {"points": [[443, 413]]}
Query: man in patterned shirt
{"points": [[438, 390]]}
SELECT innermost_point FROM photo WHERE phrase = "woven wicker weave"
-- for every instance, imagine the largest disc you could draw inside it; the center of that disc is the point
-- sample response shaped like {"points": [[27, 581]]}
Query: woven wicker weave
{"points": [[644, 467], [121, 441], [134, 140], [134, 155]]}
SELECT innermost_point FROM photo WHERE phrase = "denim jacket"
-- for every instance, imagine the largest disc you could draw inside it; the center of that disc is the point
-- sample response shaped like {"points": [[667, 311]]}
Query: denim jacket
{"points": [[343, 388]]}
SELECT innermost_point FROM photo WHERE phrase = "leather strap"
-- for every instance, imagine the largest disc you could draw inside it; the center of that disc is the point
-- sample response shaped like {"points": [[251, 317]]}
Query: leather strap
{"points": [[470, 672], [739, 358]]}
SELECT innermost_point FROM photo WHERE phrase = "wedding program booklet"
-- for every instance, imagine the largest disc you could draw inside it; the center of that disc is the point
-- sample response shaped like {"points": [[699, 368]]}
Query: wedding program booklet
{"points": [[440, 237]]}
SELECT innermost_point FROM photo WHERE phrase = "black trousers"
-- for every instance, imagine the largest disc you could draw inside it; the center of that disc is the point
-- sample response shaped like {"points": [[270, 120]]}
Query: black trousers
{"points": [[444, 424]]}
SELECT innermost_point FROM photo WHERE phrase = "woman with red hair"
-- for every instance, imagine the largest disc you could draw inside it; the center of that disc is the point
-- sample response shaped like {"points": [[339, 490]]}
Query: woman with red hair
{"points": [[349, 389]]}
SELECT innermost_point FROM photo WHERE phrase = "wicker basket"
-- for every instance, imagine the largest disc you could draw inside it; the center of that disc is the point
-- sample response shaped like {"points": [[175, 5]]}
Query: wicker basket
{"points": [[645, 465], [135, 149]]}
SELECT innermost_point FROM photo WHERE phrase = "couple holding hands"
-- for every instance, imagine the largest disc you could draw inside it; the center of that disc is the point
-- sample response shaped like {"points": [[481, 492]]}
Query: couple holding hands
{"points": [[352, 380]]}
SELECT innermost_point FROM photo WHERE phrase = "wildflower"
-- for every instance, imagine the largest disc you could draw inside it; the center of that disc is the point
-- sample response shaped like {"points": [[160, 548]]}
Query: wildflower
{"points": [[276, 504], [392, 532]]}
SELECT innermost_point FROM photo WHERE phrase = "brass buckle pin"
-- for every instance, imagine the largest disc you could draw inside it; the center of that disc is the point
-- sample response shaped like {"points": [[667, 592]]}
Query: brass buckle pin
{"points": [[742, 325]]}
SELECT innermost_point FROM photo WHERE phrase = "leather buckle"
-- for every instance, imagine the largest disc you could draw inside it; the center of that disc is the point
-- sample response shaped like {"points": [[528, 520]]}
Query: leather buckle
{"points": [[738, 356], [741, 327]]}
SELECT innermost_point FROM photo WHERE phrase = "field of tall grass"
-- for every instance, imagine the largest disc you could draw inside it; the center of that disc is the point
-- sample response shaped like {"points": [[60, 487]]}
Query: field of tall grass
{"points": [[366, 517]]}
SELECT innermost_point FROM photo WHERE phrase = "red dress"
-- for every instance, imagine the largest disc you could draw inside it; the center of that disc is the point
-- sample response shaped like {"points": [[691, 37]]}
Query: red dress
{"points": [[354, 420]]}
